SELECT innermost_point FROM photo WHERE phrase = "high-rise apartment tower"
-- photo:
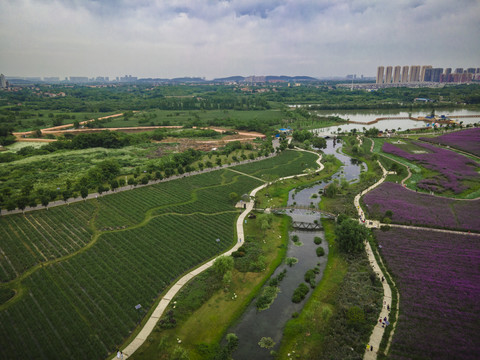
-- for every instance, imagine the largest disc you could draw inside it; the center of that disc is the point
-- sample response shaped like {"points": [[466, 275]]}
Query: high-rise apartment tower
{"points": [[388, 75], [405, 74], [396, 74], [380, 70], [414, 73], [3, 81]]}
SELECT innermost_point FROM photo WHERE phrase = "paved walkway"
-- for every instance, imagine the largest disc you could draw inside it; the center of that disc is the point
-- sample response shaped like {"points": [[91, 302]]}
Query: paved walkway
{"points": [[378, 330], [162, 305]]}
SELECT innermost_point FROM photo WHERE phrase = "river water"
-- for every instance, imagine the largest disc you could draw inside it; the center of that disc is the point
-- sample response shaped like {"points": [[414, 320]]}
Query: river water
{"points": [[253, 325], [402, 124]]}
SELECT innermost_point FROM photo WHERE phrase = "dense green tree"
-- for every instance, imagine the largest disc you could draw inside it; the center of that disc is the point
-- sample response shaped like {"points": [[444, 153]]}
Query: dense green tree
{"points": [[22, 202], [350, 236], [319, 142], [66, 195], [114, 184], [84, 192], [223, 264], [302, 135]]}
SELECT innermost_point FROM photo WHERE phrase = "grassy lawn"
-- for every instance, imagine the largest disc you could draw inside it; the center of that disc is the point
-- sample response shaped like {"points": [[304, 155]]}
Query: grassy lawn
{"points": [[38, 119], [182, 117]]}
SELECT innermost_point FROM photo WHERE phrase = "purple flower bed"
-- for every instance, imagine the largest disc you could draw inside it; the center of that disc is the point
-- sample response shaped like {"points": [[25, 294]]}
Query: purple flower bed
{"points": [[453, 168], [438, 278], [466, 140], [414, 208]]}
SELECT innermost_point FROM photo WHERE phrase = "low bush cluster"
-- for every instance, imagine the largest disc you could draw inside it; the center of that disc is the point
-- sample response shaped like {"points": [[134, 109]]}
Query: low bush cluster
{"points": [[300, 292], [320, 251]]}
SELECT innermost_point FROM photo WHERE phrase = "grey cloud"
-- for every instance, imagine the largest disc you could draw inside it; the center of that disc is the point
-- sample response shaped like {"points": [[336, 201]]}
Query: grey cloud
{"points": [[216, 38]]}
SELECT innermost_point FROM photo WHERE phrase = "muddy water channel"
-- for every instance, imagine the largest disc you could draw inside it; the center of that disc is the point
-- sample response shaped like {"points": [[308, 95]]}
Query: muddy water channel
{"points": [[254, 324]]}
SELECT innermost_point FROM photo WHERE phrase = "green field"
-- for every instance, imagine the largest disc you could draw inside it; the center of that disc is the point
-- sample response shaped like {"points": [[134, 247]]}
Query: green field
{"points": [[42, 236], [296, 161], [100, 258], [200, 117]]}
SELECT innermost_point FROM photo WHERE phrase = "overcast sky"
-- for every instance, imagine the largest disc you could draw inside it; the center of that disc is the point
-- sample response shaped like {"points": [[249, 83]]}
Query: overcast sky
{"points": [[212, 38]]}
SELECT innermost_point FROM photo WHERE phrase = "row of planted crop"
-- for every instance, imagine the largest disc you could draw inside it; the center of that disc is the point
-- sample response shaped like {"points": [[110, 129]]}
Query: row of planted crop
{"points": [[99, 288], [40, 237], [129, 207], [412, 208], [438, 279], [134, 267], [454, 169], [65, 231], [291, 162]]}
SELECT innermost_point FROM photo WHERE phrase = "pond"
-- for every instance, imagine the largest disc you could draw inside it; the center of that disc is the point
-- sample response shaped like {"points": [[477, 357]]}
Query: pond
{"points": [[254, 324], [402, 124]]}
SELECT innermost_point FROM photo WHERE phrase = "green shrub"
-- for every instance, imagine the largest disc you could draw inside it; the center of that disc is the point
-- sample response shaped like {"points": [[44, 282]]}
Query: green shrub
{"points": [[309, 277], [290, 261], [385, 227], [268, 295], [320, 251], [317, 240], [300, 292]]}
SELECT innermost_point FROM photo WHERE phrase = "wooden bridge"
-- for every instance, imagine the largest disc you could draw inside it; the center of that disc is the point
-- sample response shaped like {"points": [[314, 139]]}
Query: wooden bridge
{"points": [[284, 209], [306, 226]]}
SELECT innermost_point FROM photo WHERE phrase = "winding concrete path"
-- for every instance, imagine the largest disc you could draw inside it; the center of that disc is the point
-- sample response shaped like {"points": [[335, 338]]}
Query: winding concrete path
{"points": [[175, 288], [378, 330]]}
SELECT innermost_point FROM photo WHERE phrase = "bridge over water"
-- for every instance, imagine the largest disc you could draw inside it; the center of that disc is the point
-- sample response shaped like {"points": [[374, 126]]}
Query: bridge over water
{"points": [[278, 210], [300, 225]]}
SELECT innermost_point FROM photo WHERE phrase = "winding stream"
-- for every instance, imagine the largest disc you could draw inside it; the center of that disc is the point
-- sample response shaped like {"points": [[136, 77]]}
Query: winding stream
{"points": [[254, 324]]}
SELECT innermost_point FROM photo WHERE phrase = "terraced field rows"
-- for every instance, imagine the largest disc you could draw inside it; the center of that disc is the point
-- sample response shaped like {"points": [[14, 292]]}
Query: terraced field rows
{"points": [[42, 236], [290, 163], [83, 306], [93, 295]]}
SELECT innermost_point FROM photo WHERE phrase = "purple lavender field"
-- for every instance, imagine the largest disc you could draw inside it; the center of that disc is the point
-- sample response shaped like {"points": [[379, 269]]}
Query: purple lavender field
{"points": [[454, 169], [466, 140], [438, 277], [413, 208]]}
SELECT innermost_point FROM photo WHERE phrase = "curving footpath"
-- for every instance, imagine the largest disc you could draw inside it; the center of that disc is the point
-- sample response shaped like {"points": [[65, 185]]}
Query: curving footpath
{"points": [[378, 330], [162, 305]]}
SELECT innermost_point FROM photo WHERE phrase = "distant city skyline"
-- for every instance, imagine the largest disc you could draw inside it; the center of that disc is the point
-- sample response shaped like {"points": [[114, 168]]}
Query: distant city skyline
{"points": [[425, 73], [213, 39]]}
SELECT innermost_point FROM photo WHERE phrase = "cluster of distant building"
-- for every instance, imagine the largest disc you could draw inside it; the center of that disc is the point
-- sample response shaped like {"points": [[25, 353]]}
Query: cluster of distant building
{"points": [[425, 73], [107, 81], [70, 79]]}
